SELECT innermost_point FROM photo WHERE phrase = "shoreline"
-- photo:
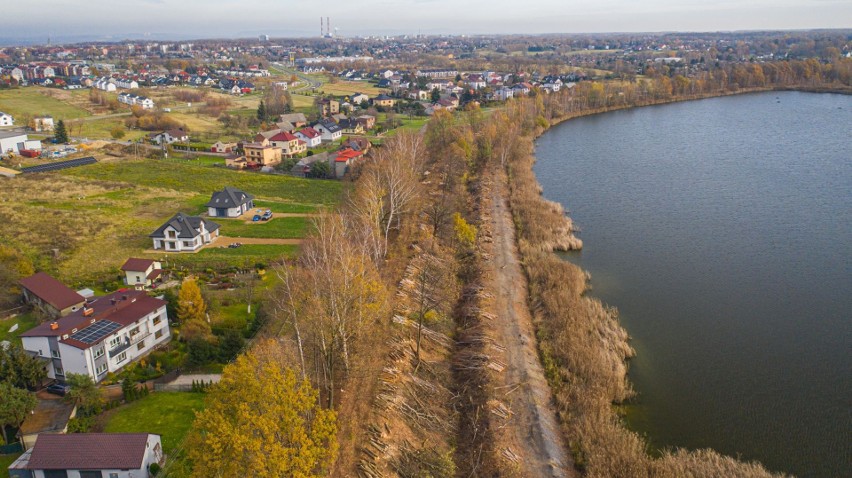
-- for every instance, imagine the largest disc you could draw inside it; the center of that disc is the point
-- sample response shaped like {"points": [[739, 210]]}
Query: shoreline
{"points": [[600, 440]]}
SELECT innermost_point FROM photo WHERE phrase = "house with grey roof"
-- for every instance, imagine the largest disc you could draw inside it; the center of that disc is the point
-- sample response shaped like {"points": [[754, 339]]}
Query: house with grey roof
{"points": [[184, 233], [89, 455], [229, 202]]}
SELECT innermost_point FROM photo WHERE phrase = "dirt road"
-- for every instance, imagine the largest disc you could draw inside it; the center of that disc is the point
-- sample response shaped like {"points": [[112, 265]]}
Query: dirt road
{"points": [[532, 432]]}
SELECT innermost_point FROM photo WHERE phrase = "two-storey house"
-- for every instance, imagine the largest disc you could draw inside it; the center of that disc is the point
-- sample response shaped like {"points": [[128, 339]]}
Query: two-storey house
{"points": [[184, 233], [108, 333]]}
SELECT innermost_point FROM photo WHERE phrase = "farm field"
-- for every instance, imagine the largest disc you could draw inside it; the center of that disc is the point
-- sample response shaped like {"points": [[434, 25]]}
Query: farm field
{"points": [[81, 224]]}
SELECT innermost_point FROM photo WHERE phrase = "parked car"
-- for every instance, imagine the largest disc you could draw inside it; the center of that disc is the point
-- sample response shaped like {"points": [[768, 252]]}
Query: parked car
{"points": [[234, 245], [256, 218], [266, 215], [58, 389]]}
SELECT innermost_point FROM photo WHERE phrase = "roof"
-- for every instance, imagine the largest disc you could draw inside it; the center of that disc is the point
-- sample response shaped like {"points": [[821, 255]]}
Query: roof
{"points": [[51, 291], [383, 97], [293, 118], [137, 265], [49, 416], [229, 198], [187, 227], [329, 125], [309, 133], [283, 136], [102, 316], [347, 154], [89, 451]]}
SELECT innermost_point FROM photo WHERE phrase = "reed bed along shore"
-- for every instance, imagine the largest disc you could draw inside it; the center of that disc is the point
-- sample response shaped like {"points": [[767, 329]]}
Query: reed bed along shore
{"points": [[582, 346]]}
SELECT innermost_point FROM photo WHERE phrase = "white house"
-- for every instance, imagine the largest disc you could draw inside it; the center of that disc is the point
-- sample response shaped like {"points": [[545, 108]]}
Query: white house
{"points": [[103, 336], [503, 94], [142, 273], [229, 202], [90, 455], [169, 137], [126, 83], [184, 233], [6, 119], [105, 84], [359, 98], [131, 99], [329, 130], [12, 141], [310, 136]]}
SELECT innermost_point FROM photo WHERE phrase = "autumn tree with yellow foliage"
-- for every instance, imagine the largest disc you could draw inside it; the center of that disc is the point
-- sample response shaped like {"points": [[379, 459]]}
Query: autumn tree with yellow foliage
{"points": [[262, 420], [191, 304]]}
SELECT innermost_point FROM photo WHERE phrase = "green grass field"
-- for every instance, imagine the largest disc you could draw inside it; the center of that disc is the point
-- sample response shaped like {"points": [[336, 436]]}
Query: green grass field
{"points": [[100, 215], [34, 101], [280, 227], [169, 414], [222, 257], [204, 180], [25, 322], [6, 461]]}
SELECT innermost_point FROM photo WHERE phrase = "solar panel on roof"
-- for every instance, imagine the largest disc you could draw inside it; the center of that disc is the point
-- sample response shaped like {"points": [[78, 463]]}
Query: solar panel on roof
{"points": [[96, 332]]}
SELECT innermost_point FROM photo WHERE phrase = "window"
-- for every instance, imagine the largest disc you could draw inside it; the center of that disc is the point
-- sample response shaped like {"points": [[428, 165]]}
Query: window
{"points": [[134, 331], [101, 369], [157, 319], [141, 345], [114, 342], [158, 334], [59, 371], [40, 354], [121, 357], [55, 353], [113, 475], [91, 474], [99, 352], [187, 244]]}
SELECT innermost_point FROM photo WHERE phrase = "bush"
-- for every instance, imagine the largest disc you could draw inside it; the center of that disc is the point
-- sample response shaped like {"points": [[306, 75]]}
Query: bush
{"points": [[154, 469]]}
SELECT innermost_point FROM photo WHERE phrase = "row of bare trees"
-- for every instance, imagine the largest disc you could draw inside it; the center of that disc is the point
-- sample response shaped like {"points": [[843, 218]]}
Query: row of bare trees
{"points": [[333, 300]]}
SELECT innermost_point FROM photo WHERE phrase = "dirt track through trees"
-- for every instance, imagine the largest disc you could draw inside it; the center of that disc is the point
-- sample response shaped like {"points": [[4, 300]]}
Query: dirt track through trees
{"points": [[532, 431]]}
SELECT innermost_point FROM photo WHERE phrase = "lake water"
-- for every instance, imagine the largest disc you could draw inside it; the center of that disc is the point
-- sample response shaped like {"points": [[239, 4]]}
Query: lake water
{"points": [[722, 231]]}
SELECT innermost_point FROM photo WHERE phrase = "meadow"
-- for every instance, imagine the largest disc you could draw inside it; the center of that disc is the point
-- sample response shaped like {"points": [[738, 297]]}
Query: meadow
{"points": [[35, 101], [82, 224]]}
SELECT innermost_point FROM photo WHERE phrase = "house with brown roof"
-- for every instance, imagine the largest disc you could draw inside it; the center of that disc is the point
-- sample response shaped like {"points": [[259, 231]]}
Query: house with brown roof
{"points": [[142, 273], [108, 333], [51, 296], [90, 455]]}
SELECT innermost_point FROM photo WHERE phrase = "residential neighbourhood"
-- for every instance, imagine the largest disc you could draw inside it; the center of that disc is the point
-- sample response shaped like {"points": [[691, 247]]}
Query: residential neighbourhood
{"points": [[171, 204]]}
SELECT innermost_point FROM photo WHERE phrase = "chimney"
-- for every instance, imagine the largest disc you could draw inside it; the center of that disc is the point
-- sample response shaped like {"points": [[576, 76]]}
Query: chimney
{"points": [[54, 325]]}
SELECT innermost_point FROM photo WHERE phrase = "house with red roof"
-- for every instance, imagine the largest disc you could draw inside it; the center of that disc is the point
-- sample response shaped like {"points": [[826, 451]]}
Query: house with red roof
{"points": [[344, 159], [113, 455], [103, 336], [310, 136], [289, 143], [51, 296], [142, 273]]}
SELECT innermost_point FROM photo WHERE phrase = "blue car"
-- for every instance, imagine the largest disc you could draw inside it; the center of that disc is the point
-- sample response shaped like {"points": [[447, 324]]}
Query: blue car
{"points": [[58, 389]]}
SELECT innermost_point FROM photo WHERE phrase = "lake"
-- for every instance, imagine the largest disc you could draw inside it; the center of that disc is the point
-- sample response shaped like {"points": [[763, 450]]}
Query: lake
{"points": [[722, 231]]}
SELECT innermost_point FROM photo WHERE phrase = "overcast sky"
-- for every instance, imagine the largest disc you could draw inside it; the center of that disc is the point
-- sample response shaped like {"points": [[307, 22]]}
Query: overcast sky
{"points": [[235, 18]]}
